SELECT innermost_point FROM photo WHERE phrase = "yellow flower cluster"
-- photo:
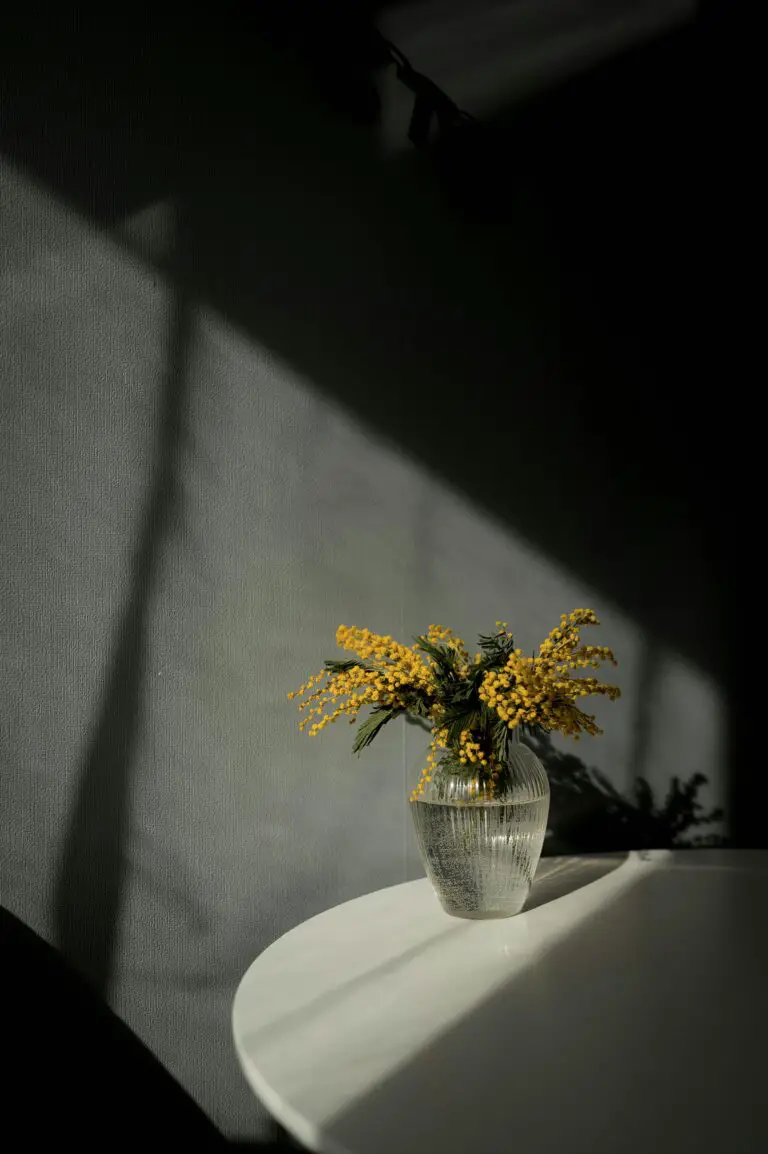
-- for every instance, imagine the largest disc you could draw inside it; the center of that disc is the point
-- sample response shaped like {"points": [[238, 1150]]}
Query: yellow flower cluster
{"points": [[439, 737], [540, 690], [442, 635], [402, 660], [470, 750], [392, 667]]}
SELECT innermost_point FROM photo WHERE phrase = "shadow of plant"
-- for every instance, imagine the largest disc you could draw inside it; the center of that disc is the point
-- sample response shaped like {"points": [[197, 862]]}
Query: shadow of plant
{"points": [[589, 815]]}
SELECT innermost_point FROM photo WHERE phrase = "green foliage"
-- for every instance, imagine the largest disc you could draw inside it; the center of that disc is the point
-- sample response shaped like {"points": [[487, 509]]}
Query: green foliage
{"points": [[417, 704], [371, 726], [496, 648], [456, 691], [344, 666], [499, 739], [445, 661]]}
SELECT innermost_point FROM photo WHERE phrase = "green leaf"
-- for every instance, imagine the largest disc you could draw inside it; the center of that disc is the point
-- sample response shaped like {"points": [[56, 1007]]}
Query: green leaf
{"points": [[371, 726], [443, 657], [463, 694], [477, 672], [495, 641], [343, 666], [500, 737], [417, 704], [488, 641], [455, 721]]}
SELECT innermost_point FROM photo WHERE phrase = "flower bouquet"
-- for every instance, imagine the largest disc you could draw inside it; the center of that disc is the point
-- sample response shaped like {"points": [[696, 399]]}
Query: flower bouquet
{"points": [[477, 708]]}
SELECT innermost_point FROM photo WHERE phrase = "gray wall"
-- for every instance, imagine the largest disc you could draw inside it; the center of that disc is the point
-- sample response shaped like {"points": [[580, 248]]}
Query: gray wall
{"points": [[191, 507]]}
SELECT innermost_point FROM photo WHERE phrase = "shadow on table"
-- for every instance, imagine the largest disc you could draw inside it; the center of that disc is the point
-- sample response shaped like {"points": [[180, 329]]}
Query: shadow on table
{"points": [[557, 876]]}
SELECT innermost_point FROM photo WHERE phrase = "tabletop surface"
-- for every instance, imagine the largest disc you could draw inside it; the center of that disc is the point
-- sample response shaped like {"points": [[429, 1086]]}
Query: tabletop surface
{"points": [[624, 1010]]}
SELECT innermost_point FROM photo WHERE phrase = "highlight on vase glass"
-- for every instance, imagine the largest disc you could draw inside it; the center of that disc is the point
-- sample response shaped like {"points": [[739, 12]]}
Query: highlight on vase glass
{"points": [[480, 806]]}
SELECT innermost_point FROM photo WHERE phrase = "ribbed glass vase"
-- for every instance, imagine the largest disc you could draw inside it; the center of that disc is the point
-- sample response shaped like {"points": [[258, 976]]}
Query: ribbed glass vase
{"points": [[481, 845]]}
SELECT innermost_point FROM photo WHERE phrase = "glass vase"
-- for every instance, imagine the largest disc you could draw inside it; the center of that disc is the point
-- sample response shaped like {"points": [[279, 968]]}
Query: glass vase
{"points": [[481, 842]]}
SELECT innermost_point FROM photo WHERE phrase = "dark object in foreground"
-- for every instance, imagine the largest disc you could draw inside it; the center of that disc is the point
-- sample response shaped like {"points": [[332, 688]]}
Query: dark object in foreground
{"points": [[75, 1074]]}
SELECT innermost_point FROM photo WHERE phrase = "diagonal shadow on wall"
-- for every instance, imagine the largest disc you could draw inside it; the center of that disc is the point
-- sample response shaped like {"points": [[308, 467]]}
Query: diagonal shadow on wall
{"points": [[87, 886], [562, 385]]}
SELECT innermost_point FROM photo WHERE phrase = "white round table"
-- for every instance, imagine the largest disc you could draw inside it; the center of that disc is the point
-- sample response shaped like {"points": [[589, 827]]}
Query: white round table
{"points": [[624, 1015]]}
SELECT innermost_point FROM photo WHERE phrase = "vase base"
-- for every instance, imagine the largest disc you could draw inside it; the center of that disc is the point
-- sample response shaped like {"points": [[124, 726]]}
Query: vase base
{"points": [[483, 915]]}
